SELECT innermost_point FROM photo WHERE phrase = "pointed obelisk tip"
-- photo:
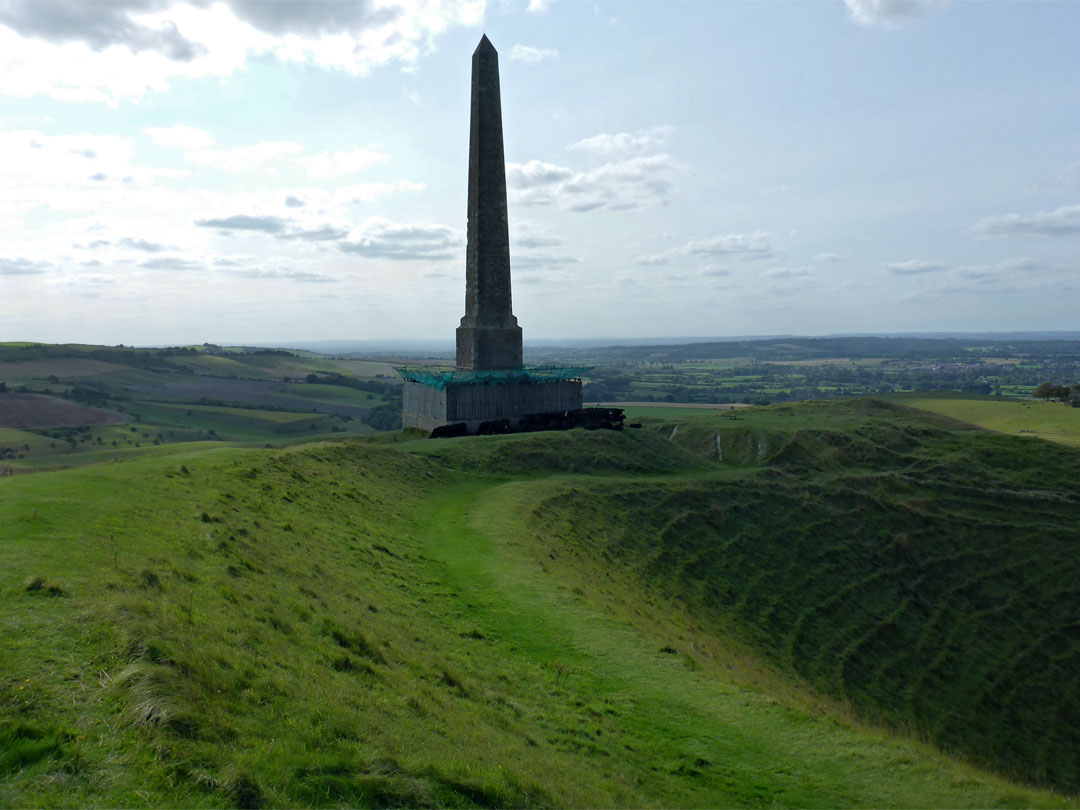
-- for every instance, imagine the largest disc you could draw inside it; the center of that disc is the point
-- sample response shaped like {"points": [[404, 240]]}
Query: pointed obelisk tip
{"points": [[485, 45]]}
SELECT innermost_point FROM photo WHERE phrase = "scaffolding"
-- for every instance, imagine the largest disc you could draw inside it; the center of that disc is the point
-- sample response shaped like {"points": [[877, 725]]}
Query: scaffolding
{"points": [[440, 378]]}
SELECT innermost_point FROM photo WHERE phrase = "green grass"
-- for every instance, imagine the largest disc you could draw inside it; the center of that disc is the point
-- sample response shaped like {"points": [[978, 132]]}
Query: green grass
{"points": [[638, 412], [256, 414], [684, 723], [364, 368], [234, 424], [400, 621], [337, 394], [225, 366], [17, 440], [890, 564], [1041, 419]]}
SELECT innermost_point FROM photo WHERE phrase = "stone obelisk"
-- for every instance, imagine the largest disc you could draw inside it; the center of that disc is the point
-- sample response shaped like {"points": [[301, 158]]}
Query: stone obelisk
{"points": [[489, 336]]}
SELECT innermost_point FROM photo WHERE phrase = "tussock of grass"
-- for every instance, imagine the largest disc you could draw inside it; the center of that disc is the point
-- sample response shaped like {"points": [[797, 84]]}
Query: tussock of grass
{"points": [[40, 585]]}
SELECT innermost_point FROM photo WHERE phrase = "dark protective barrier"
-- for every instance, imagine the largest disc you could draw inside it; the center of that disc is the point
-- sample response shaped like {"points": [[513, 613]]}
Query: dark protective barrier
{"points": [[588, 418]]}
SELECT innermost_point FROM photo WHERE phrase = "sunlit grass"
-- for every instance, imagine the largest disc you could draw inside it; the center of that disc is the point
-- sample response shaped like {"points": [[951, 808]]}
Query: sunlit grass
{"points": [[1046, 420]]}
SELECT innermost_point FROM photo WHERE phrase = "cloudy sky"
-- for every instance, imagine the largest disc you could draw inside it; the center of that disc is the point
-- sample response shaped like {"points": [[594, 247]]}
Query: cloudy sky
{"points": [[247, 171]]}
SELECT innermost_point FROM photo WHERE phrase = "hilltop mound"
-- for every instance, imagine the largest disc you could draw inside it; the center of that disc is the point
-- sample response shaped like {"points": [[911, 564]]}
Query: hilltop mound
{"points": [[450, 623]]}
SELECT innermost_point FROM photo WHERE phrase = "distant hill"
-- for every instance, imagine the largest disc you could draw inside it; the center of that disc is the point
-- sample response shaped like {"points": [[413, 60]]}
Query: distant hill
{"points": [[444, 345]]}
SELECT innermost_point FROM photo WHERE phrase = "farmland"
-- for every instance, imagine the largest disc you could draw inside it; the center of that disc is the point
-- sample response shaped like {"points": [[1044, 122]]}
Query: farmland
{"points": [[70, 405], [792, 369]]}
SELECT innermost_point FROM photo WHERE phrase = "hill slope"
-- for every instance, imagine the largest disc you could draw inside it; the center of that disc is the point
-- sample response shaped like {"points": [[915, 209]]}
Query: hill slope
{"points": [[371, 624]]}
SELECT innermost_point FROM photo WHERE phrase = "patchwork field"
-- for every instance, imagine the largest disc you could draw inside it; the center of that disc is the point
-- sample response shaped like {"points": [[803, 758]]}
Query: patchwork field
{"points": [[277, 417], [93, 400], [58, 367], [794, 369], [24, 411]]}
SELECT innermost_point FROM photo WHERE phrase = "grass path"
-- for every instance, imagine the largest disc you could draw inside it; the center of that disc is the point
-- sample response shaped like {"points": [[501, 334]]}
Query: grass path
{"points": [[667, 734]]}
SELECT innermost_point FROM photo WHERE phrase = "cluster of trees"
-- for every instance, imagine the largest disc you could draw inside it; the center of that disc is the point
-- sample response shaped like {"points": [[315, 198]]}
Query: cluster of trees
{"points": [[382, 417], [1070, 395], [153, 359], [386, 389]]}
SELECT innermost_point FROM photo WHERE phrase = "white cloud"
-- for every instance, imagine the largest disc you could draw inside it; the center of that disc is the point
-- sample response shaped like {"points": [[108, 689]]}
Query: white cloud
{"points": [[170, 263], [180, 137], [756, 245], [535, 173], [1064, 221], [1023, 275], [22, 266], [120, 22], [542, 261], [1025, 265], [304, 276], [241, 159], [828, 258], [109, 51], [279, 227], [245, 222], [654, 260], [144, 245], [633, 184], [624, 143], [913, 267], [35, 162], [787, 272], [892, 13], [712, 271], [338, 163], [528, 235], [532, 56], [538, 6], [379, 238]]}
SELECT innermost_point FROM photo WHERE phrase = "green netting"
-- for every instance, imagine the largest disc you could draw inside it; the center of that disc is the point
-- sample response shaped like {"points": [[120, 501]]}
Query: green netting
{"points": [[500, 376]]}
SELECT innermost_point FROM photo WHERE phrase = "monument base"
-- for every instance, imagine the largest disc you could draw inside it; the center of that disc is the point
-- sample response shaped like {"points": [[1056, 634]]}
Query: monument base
{"points": [[472, 398]]}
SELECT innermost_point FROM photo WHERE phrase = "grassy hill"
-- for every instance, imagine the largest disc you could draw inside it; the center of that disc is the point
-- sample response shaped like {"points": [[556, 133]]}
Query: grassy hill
{"points": [[711, 616]]}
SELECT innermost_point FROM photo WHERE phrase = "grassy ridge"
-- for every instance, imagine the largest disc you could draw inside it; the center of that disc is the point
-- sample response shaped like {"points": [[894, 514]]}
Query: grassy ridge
{"points": [[928, 577], [243, 628], [377, 623]]}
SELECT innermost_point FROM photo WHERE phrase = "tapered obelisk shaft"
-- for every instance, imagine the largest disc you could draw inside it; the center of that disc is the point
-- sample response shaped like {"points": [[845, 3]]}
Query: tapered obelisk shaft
{"points": [[489, 336]]}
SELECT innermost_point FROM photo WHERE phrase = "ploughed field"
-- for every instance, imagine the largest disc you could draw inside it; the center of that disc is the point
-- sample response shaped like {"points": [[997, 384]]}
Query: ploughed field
{"points": [[833, 604]]}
